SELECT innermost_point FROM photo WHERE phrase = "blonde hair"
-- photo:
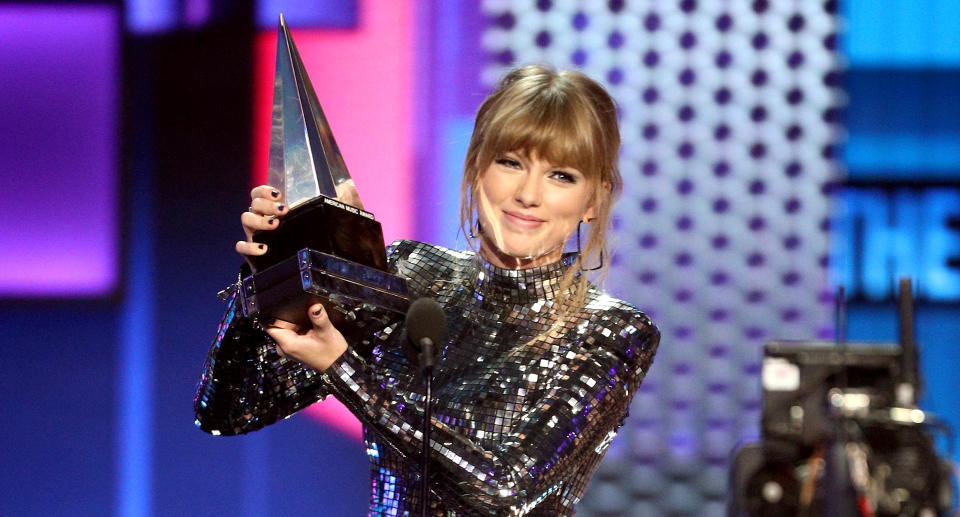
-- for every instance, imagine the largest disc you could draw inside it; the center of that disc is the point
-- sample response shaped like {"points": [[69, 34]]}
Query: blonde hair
{"points": [[566, 118]]}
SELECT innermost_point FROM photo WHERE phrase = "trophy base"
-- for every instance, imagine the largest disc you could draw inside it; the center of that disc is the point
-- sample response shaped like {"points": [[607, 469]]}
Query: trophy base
{"points": [[327, 225], [285, 290]]}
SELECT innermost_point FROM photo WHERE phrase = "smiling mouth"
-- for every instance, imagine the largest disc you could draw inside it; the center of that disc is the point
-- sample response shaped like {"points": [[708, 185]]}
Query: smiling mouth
{"points": [[521, 220]]}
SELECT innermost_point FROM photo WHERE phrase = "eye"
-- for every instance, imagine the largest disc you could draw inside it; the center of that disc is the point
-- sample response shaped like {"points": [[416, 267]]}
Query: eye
{"points": [[563, 176], [508, 162]]}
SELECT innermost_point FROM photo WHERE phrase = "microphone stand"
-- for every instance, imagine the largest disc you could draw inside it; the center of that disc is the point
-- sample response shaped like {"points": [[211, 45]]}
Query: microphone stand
{"points": [[426, 365], [426, 327]]}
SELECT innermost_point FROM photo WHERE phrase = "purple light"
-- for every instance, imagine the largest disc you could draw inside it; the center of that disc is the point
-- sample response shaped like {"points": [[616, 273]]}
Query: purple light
{"points": [[651, 22], [543, 39], [59, 150], [683, 443], [580, 21], [196, 12], [651, 59]]}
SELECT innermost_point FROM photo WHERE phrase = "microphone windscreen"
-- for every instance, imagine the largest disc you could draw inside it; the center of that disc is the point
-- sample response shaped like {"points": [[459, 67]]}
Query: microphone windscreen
{"points": [[425, 319]]}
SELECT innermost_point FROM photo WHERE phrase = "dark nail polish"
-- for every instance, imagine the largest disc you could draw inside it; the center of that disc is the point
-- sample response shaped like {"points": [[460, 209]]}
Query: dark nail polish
{"points": [[279, 208], [275, 193], [260, 246], [271, 221]]}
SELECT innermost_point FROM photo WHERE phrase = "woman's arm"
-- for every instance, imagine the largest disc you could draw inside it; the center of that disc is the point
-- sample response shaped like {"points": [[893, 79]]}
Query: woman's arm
{"points": [[248, 383], [245, 384], [570, 425]]}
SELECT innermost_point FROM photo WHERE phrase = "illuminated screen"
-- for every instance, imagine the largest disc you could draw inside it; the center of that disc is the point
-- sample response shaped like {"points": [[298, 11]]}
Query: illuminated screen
{"points": [[58, 154]]}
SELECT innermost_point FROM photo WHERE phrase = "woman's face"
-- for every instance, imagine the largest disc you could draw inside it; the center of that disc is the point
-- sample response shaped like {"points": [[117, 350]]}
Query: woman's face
{"points": [[528, 209]]}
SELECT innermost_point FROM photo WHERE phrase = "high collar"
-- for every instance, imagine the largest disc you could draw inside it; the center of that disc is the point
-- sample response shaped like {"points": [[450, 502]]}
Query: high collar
{"points": [[541, 283]]}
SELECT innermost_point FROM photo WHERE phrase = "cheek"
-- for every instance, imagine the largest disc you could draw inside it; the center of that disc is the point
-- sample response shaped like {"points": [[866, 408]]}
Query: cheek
{"points": [[570, 207], [484, 200], [494, 186]]}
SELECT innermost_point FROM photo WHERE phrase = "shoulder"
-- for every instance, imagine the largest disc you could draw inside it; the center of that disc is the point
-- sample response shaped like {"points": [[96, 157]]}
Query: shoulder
{"points": [[417, 252], [422, 264], [624, 315], [624, 327]]}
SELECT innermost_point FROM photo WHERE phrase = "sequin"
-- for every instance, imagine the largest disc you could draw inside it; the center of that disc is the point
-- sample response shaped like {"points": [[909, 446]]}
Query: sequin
{"points": [[519, 424]]}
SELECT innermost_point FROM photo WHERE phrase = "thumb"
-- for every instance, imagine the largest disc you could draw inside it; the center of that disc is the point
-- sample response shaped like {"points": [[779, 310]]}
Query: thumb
{"points": [[318, 316]]}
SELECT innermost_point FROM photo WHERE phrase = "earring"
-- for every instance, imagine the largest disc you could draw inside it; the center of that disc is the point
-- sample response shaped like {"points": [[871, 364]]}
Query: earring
{"points": [[579, 254], [474, 235]]}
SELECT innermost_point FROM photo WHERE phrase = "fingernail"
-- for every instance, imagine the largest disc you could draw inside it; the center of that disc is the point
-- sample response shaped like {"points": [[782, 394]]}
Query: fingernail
{"points": [[260, 246], [275, 193], [271, 221], [279, 208]]}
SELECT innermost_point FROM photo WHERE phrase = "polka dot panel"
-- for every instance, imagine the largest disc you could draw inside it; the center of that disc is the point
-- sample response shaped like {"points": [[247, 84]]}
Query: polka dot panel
{"points": [[728, 119]]}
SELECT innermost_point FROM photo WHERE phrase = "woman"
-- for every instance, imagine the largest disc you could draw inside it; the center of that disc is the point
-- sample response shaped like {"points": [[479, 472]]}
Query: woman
{"points": [[539, 367]]}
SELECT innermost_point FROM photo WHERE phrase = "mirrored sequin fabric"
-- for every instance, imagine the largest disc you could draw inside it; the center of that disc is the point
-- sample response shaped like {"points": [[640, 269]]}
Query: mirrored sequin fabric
{"points": [[524, 406]]}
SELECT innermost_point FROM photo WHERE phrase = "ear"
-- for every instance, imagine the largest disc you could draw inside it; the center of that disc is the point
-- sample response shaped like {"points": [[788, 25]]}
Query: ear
{"points": [[590, 214], [601, 196]]}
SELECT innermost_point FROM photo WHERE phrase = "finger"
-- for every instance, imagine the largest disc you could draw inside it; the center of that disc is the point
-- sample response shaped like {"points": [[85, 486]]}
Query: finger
{"points": [[282, 339], [252, 222], [266, 192], [252, 249], [282, 324], [267, 207], [318, 316]]}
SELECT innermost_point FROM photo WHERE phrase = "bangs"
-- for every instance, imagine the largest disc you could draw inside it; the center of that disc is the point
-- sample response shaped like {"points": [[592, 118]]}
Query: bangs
{"points": [[559, 132]]}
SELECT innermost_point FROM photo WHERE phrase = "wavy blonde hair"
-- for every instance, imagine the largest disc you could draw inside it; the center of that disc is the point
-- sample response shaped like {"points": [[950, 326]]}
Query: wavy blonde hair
{"points": [[566, 118]]}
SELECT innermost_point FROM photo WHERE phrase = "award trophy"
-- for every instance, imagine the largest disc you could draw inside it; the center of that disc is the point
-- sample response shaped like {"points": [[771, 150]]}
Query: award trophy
{"points": [[327, 248]]}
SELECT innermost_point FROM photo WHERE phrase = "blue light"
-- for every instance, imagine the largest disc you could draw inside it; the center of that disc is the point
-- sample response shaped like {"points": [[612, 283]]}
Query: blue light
{"points": [[940, 242], [883, 237], [256, 486], [902, 154], [151, 16], [135, 401], [875, 255], [905, 251], [903, 33], [316, 14]]}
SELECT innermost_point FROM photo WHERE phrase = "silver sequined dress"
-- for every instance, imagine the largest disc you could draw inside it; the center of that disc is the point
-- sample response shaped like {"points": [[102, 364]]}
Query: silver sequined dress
{"points": [[519, 424]]}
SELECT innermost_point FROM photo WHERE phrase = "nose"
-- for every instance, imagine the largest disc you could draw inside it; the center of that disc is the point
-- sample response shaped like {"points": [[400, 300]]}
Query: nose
{"points": [[529, 190]]}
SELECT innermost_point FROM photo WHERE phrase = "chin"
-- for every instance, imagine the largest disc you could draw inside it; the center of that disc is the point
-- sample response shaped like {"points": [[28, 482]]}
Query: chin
{"points": [[523, 254], [522, 249]]}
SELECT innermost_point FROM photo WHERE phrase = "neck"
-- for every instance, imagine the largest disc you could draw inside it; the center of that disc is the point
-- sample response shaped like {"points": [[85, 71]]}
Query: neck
{"points": [[493, 255], [524, 285]]}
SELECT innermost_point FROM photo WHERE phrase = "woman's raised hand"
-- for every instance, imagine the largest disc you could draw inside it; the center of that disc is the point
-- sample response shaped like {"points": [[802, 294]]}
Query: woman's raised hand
{"points": [[266, 205], [317, 347], [321, 344]]}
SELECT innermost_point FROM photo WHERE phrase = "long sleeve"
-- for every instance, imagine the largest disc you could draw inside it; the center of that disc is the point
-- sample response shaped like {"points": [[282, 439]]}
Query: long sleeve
{"points": [[562, 435], [245, 384]]}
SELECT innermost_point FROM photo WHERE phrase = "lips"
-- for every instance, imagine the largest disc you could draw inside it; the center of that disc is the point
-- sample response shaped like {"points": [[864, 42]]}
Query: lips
{"points": [[522, 220]]}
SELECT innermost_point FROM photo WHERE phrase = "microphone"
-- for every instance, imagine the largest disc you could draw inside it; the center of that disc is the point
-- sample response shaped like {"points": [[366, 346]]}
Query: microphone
{"points": [[426, 328]]}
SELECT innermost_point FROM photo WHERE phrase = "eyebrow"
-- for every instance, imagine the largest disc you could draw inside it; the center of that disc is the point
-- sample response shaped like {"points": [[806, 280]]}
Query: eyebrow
{"points": [[526, 156]]}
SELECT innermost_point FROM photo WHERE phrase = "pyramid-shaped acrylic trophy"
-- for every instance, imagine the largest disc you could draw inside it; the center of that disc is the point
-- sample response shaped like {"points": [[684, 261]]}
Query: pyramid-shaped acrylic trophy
{"points": [[327, 248]]}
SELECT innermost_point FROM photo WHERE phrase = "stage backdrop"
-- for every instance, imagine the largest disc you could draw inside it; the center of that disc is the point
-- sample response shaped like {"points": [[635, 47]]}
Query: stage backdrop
{"points": [[728, 114], [128, 148]]}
